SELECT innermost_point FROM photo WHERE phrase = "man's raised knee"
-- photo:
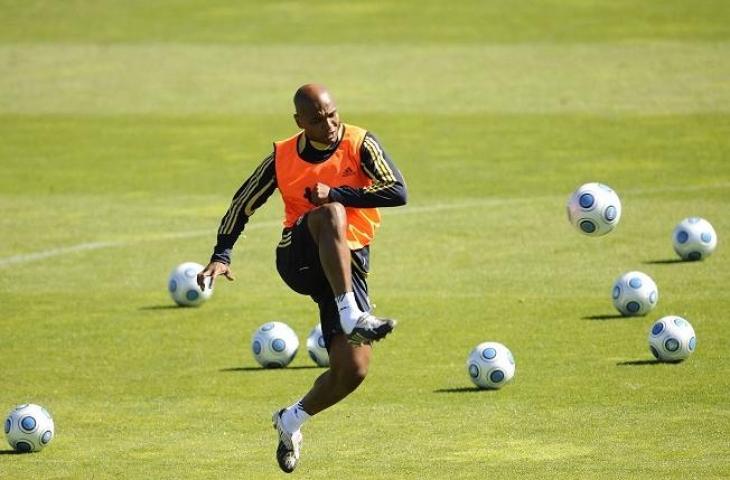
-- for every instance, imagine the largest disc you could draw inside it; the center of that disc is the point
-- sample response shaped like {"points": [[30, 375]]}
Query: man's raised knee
{"points": [[328, 218], [335, 213], [333, 217]]}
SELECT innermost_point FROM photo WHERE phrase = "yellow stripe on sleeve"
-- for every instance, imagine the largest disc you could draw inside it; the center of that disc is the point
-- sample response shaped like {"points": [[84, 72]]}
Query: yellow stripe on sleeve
{"points": [[244, 197]]}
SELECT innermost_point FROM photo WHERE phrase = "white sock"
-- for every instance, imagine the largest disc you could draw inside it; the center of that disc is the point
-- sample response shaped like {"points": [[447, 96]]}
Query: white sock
{"points": [[349, 311], [294, 416]]}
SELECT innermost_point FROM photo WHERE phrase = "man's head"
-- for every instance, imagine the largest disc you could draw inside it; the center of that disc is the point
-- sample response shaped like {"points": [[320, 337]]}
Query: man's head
{"points": [[317, 113]]}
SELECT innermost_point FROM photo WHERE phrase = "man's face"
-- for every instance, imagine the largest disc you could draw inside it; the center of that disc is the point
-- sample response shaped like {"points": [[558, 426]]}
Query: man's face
{"points": [[320, 120]]}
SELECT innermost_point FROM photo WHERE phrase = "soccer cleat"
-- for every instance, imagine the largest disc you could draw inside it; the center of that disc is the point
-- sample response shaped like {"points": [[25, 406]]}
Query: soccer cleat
{"points": [[290, 444], [370, 328]]}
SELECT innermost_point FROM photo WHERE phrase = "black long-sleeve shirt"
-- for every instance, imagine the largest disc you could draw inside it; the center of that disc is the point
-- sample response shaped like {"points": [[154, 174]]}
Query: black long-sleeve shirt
{"points": [[388, 190]]}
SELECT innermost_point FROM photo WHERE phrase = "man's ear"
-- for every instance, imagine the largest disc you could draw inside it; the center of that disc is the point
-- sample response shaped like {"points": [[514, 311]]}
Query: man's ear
{"points": [[296, 119]]}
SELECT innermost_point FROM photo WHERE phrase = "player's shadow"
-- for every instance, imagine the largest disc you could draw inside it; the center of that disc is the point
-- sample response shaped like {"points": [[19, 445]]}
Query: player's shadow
{"points": [[10, 452], [667, 261], [462, 390], [638, 363], [262, 369], [611, 316], [159, 307]]}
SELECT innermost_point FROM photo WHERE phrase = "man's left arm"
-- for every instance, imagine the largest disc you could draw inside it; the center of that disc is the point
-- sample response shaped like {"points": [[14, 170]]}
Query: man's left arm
{"points": [[388, 188]]}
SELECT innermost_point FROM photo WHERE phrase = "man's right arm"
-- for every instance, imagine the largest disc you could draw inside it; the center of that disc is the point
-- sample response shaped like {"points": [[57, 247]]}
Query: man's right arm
{"points": [[253, 193]]}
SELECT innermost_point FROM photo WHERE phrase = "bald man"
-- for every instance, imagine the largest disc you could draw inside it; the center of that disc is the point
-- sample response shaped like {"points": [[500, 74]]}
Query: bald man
{"points": [[332, 177]]}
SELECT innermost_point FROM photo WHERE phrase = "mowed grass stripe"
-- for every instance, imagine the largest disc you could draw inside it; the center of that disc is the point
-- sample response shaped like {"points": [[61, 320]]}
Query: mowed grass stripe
{"points": [[384, 22], [178, 79], [488, 202]]}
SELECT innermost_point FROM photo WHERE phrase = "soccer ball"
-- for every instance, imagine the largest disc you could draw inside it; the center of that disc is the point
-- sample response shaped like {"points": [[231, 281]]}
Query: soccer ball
{"points": [[274, 345], [634, 293], [672, 339], [183, 285], [315, 347], [29, 428], [490, 365], [694, 238], [594, 209]]}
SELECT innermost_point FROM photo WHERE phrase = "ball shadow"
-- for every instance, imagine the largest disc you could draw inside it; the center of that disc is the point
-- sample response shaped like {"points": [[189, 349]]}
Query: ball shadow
{"points": [[667, 261], [159, 307], [10, 452], [635, 363], [262, 369], [612, 316], [462, 390]]}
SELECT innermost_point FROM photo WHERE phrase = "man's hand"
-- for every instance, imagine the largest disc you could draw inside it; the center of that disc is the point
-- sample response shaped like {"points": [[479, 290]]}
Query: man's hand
{"points": [[318, 194], [213, 270]]}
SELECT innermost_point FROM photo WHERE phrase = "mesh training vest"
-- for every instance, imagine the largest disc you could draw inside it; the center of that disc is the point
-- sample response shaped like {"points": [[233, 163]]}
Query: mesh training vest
{"points": [[342, 168]]}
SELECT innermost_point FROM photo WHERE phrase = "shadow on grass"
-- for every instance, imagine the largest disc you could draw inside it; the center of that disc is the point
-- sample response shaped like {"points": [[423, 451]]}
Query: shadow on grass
{"points": [[664, 262], [604, 317], [635, 363], [160, 307], [10, 452], [461, 390], [262, 369]]}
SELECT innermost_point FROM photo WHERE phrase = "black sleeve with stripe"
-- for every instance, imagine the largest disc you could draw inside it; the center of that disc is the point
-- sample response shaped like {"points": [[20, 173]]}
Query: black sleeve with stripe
{"points": [[388, 188], [253, 193]]}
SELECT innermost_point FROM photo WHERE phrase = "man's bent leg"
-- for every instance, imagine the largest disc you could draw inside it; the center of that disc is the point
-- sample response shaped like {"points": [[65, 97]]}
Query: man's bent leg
{"points": [[348, 368], [328, 225]]}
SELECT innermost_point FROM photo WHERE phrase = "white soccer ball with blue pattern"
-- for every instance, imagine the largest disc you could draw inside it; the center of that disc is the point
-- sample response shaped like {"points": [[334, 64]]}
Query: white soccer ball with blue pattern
{"points": [[316, 348], [594, 209], [29, 428], [274, 345], [183, 285], [634, 294], [490, 365], [672, 339], [694, 238]]}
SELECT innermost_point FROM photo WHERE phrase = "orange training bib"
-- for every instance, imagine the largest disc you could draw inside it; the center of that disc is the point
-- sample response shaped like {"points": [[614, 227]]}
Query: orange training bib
{"points": [[294, 175]]}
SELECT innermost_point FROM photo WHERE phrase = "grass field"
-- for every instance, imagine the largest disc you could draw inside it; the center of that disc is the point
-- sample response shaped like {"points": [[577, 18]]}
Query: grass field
{"points": [[127, 126]]}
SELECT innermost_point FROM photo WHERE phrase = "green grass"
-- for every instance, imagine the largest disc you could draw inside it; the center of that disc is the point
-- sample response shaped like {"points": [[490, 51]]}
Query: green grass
{"points": [[326, 22], [127, 127], [616, 78]]}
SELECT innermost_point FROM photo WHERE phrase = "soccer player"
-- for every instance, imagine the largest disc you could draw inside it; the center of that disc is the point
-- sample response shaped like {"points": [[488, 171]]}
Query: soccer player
{"points": [[332, 178]]}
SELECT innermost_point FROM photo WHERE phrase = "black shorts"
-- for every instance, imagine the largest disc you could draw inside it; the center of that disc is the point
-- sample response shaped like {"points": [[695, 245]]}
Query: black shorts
{"points": [[298, 263]]}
